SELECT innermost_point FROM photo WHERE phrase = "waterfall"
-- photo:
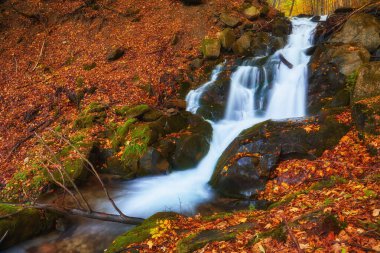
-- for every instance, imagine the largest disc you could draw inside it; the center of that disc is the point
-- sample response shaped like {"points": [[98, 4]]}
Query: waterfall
{"points": [[251, 100]]}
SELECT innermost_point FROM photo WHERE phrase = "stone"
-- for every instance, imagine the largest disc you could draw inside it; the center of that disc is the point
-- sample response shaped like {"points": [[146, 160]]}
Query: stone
{"points": [[229, 20], [362, 29], [368, 81], [196, 63], [227, 38], [243, 44], [115, 54], [211, 48], [252, 13]]}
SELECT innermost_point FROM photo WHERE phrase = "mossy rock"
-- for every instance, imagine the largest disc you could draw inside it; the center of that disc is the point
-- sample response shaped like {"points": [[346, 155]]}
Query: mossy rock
{"points": [[132, 111], [23, 223], [252, 13], [242, 46], [198, 240], [94, 113], [139, 233], [229, 20], [151, 115], [227, 38], [211, 48]]}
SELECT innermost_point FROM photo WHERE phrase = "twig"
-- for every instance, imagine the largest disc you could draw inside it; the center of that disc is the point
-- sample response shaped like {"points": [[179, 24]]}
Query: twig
{"points": [[294, 239], [62, 169], [16, 65], [93, 170], [3, 237], [40, 55]]}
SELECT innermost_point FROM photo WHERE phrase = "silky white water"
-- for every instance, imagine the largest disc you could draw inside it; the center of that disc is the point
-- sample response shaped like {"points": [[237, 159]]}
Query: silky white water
{"points": [[250, 96]]}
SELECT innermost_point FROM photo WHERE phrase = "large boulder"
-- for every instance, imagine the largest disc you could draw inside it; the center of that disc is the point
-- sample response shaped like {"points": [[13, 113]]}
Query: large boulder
{"points": [[363, 29], [368, 81], [211, 48], [329, 68], [247, 163]]}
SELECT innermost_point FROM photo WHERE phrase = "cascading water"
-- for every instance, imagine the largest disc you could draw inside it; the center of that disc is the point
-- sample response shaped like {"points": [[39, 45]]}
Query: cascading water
{"points": [[247, 104]]}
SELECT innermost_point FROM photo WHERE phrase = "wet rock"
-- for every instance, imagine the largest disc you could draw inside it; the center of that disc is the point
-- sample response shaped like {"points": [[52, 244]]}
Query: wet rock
{"points": [[281, 27], [276, 43], [213, 101], [229, 20], [152, 162], [316, 18], [115, 54], [363, 29], [227, 38], [247, 163], [259, 43], [368, 81], [23, 223], [252, 13], [211, 48]]}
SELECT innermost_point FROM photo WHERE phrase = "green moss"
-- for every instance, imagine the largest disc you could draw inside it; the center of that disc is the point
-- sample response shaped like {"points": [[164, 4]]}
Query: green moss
{"points": [[279, 233], [93, 113], [79, 81], [89, 66], [121, 132], [351, 79], [132, 111], [198, 240], [137, 142], [139, 233], [216, 216], [287, 199], [332, 181], [23, 223]]}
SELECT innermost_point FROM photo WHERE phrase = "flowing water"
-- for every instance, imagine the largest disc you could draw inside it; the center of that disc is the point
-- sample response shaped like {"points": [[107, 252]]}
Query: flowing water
{"points": [[251, 100], [257, 92]]}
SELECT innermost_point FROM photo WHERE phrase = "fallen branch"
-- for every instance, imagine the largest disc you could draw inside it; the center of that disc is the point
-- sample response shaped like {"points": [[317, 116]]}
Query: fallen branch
{"points": [[40, 55], [285, 61], [77, 212]]}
